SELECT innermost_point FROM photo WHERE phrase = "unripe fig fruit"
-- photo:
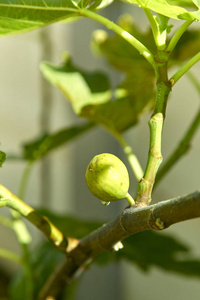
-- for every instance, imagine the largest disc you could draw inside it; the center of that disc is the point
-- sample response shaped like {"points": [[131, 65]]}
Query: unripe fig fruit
{"points": [[107, 178]]}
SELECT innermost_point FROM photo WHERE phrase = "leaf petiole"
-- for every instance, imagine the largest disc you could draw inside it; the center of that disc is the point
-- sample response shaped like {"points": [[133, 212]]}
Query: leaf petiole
{"points": [[185, 68], [159, 35], [4, 253], [123, 33], [132, 158], [176, 37]]}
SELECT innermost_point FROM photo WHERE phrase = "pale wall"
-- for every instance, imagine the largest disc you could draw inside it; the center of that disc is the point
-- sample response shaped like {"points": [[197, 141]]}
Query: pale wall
{"points": [[21, 93]]}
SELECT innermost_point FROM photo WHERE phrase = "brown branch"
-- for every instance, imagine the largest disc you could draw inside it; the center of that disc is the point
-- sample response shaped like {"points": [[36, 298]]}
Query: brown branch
{"points": [[132, 220]]}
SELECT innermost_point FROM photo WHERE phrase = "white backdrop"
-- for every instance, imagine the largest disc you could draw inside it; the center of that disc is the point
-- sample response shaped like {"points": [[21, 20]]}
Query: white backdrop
{"points": [[28, 104]]}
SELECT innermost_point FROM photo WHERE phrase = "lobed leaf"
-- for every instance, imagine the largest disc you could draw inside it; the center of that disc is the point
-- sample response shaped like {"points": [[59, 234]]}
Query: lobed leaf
{"points": [[150, 248], [24, 15], [180, 10], [91, 97], [48, 142]]}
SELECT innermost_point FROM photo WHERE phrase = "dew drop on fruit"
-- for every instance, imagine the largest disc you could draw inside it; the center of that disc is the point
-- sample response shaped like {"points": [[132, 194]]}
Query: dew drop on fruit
{"points": [[105, 203]]}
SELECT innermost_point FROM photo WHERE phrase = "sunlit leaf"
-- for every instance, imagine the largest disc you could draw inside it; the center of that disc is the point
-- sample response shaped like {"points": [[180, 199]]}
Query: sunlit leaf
{"points": [[181, 10], [70, 225], [81, 88], [91, 97], [24, 15]]}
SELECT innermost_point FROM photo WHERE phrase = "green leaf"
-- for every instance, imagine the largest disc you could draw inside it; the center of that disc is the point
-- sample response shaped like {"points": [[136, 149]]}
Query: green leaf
{"points": [[19, 16], [94, 4], [2, 158], [48, 142], [90, 95], [180, 10], [44, 259], [81, 88], [150, 248], [139, 77], [4, 283]]}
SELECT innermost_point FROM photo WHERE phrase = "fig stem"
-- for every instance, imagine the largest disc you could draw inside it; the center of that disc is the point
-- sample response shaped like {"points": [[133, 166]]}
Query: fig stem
{"points": [[130, 199], [132, 158]]}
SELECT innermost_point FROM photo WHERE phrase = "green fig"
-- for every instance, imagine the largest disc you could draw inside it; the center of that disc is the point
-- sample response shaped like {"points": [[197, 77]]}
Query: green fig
{"points": [[107, 178]]}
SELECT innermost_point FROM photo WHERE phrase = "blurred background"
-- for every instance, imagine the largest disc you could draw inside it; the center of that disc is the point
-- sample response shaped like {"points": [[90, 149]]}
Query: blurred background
{"points": [[29, 105]]}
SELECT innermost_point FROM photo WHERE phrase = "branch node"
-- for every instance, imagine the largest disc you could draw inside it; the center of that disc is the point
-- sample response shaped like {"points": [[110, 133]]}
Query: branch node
{"points": [[160, 224], [156, 223], [121, 222]]}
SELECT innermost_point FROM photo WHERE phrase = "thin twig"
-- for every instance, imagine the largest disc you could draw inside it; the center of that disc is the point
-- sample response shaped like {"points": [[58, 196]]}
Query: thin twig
{"points": [[185, 68], [10, 256], [42, 223], [143, 50], [132, 158]]}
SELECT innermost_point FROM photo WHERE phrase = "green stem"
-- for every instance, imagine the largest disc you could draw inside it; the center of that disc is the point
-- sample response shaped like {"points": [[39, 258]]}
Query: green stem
{"points": [[10, 256], [158, 34], [184, 144], [20, 229], [145, 186], [132, 158], [185, 68], [24, 180], [153, 24], [23, 234], [130, 199], [120, 31], [176, 37], [6, 222], [19, 226], [24, 238], [42, 223]]}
